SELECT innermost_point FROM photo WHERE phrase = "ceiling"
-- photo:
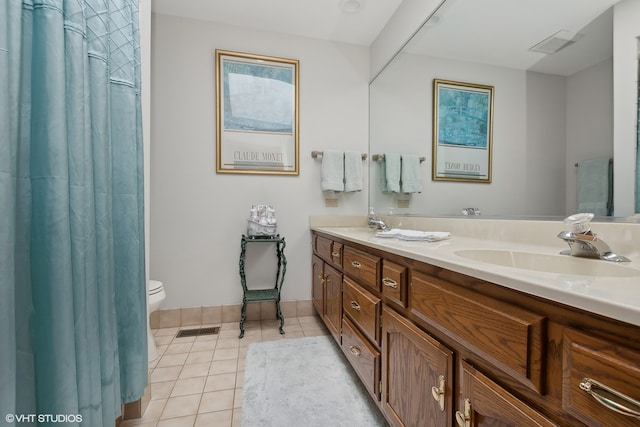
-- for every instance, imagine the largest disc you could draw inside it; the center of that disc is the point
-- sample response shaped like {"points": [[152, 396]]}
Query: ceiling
{"points": [[500, 32], [318, 19]]}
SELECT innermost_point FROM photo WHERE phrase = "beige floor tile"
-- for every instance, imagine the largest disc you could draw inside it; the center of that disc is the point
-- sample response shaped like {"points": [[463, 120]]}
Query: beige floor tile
{"points": [[177, 359], [181, 406], [240, 379], [170, 373], [179, 348], [195, 370], [216, 401], [220, 382], [182, 340], [167, 331], [188, 386], [137, 423], [161, 390], [153, 412], [199, 357], [228, 343], [229, 333], [163, 339], [204, 345], [217, 419], [223, 366], [237, 399], [237, 418], [225, 354], [188, 421]]}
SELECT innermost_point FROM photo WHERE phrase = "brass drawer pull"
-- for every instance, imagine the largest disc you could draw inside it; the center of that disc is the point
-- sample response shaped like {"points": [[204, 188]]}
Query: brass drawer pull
{"points": [[439, 392], [322, 278], [611, 398], [356, 264], [335, 254], [355, 305], [390, 283], [464, 419], [355, 351]]}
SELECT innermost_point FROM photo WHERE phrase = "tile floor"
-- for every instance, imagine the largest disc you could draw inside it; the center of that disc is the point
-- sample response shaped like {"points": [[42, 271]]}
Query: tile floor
{"points": [[197, 381]]}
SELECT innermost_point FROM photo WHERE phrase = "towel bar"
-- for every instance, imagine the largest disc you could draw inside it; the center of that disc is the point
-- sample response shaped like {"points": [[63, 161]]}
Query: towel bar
{"points": [[377, 157], [315, 154]]}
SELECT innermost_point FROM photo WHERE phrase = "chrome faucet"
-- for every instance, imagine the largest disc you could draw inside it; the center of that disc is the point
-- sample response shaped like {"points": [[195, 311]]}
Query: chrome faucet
{"points": [[583, 243], [375, 221]]}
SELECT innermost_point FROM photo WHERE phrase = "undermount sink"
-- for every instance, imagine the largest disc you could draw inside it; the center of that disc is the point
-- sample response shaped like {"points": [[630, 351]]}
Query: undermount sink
{"points": [[560, 264]]}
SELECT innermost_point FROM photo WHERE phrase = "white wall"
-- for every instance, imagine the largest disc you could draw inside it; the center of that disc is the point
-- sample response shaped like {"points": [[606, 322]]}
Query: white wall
{"points": [[589, 121], [198, 216], [625, 81]]}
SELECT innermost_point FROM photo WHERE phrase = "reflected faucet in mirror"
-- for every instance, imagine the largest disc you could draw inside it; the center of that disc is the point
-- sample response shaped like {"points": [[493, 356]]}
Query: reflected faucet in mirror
{"points": [[583, 243], [375, 221]]}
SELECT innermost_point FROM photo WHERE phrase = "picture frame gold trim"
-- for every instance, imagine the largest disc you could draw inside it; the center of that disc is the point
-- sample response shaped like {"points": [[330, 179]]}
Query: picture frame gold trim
{"points": [[257, 114], [462, 131]]}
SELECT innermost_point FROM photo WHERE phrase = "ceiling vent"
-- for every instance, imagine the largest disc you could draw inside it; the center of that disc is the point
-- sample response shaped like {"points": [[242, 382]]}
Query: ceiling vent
{"points": [[554, 43]]}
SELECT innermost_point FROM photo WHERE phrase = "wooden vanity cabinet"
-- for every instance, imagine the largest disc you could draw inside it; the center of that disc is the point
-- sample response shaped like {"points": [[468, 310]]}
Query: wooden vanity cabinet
{"points": [[486, 404], [327, 283], [417, 375], [439, 348]]}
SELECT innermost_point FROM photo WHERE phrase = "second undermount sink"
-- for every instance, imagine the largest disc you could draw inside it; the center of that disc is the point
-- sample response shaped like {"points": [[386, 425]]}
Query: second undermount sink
{"points": [[559, 264]]}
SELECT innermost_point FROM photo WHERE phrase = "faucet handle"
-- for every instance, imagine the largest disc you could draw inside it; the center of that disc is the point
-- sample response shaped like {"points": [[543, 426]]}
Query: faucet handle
{"points": [[579, 222]]}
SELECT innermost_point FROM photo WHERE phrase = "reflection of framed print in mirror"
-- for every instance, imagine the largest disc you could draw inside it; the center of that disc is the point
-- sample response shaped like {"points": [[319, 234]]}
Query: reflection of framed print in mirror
{"points": [[462, 131], [256, 114]]}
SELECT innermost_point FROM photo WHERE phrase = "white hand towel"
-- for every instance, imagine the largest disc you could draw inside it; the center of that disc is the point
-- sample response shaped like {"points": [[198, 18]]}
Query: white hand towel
{"points": [[332, 171], [352, 171], [410, 175], [392, 171]]}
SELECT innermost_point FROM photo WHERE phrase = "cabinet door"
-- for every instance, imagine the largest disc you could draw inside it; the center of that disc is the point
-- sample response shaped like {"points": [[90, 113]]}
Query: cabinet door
{"points": [[333, 300], [486, 404], [317, 285], [417, 375]]}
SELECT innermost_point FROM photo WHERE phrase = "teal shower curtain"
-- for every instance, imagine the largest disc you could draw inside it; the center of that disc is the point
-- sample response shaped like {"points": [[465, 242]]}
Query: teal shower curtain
{"points": [[72, 282]]}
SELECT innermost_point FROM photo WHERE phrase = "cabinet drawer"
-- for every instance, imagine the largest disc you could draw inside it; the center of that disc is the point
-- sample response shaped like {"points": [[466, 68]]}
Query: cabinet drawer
{"points": [[394, 282], [364, 357], [487, 401], [363, 267], [363, 308], [329, 250], [509, 337], [610, 372]]}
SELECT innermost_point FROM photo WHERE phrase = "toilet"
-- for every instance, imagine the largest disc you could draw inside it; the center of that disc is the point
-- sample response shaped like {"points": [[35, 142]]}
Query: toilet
{"points": [[156, 296]]}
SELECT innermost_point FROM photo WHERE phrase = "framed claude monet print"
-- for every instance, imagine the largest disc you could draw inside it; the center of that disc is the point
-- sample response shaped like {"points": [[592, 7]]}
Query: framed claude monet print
{"points": [[256, 114], [462, 131]]}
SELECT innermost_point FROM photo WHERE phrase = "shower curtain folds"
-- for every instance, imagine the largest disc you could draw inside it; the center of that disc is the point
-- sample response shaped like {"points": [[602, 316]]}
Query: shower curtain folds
{"points": [[72, 279]]}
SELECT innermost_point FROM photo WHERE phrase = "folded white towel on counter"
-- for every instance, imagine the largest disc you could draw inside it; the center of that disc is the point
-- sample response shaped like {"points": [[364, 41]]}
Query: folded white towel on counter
{"points": [[332, 178], [410, 175], [430, 236], [352, 171]]}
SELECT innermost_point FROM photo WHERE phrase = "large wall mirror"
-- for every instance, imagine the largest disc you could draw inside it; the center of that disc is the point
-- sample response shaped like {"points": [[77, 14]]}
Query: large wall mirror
{"points": [[553, 106]]}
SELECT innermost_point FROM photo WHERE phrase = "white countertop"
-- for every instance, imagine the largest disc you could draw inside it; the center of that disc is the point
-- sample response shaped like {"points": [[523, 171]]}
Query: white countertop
{"points": [[614, 297]]}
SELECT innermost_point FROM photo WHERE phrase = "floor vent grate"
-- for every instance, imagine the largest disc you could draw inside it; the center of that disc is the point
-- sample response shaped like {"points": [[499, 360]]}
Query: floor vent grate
{"points": [[198, 332]]}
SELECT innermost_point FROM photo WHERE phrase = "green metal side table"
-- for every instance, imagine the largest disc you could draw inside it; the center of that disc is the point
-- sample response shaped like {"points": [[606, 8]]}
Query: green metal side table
{"points": [[271, 294]]}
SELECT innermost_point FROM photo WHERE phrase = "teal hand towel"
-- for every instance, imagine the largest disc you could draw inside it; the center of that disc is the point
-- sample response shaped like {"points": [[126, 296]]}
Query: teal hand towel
{"points": [[410, 175], [392, 171], [352, 171], [332, 178], [594, 186], [383, 176]]}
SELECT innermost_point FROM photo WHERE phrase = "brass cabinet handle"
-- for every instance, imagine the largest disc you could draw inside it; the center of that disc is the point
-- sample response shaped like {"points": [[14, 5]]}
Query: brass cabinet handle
{"points": [[611, 398], [335, 254], [355, 305], [390, 283], [439, 392], [322, 278], [356, 264], [464, 418], [355, 351]]}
